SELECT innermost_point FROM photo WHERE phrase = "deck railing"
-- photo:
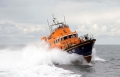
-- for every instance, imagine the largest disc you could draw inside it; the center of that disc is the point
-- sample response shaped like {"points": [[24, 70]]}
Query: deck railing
{"points": [[86, 37]]}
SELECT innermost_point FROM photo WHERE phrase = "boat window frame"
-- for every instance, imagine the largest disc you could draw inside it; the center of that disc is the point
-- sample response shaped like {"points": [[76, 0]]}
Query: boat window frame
{"points": [[65, 36], [70, 36], [62, 39], [57, 40], [75, 35]]}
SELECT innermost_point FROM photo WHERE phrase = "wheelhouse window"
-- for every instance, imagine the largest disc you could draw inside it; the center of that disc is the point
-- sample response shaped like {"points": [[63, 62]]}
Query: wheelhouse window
{"points": [[61, 39], [55, 41], [75, 35], [65, 37], [58, 40], [70, 36]]}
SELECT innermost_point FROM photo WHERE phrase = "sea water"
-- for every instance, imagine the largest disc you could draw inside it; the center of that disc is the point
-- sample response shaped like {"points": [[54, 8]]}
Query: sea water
{"points": [[36, 60]]}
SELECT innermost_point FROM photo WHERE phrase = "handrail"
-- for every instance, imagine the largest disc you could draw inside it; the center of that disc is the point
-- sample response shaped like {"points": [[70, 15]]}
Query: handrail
{"points": [[86, 37]]}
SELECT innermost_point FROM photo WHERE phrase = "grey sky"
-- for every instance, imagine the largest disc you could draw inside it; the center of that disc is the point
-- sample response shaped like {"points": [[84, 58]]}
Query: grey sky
{"points": [[24, 21]]}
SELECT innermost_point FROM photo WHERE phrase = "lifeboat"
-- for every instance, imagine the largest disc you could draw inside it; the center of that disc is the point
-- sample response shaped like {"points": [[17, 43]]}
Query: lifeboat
{"points": [[63, 38]]}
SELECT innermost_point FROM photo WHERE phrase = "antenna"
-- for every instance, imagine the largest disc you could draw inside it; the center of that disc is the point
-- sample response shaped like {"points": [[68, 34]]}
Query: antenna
{"points": [[49, 26], [53, 16], [54, 19], [64, 20], [48, 22]]}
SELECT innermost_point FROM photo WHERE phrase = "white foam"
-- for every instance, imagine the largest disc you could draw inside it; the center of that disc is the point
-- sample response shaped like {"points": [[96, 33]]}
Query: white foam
{"points": [[39, 71], [35, 54], [35, 60]]}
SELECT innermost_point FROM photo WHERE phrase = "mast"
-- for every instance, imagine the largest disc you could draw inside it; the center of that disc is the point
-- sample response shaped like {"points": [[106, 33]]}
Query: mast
{"points": [[49, 26], [55, 23], [64, 20], [54, 19]]}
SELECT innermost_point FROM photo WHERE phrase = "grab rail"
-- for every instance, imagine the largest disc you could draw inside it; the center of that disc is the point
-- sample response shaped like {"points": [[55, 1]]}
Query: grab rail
{"points": [[86, 37]]}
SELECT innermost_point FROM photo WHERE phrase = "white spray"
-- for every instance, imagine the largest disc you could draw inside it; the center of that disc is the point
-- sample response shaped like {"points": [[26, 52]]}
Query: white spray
{"points": [[38, 54], [95, 57], [33, 55]]}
